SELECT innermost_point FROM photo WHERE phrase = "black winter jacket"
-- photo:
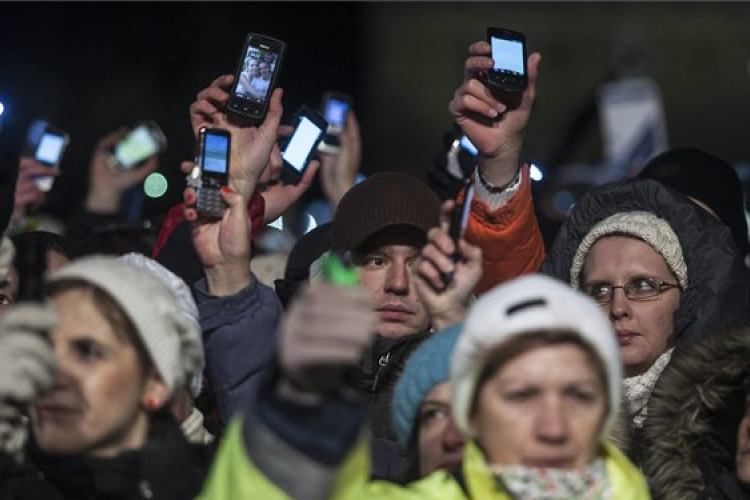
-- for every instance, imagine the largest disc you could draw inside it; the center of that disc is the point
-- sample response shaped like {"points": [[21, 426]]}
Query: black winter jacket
{"points": [[166, 468]]}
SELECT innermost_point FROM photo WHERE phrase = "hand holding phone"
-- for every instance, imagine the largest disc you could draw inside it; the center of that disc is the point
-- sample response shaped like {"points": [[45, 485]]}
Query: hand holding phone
{"points": [[212, 160], [509, 72], [299, 148], [256, 77], [335, 107], [49, 152], [140, 144]]}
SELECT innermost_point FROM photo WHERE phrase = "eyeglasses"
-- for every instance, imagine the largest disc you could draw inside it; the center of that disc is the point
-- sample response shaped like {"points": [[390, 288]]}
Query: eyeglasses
{"points": [[635, 289]]}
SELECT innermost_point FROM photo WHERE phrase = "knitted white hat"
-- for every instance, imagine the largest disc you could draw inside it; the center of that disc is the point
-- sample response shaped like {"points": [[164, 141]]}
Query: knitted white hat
{"points": [[643, 225], [529, 304], [184, 299], [170, 338], [7, 253]]}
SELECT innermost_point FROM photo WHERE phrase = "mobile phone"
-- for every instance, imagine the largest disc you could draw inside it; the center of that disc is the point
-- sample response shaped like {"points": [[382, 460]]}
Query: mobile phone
{"points": [[460, 215], [468, 146], [309, 127], [212, 159], [140, 144], [256, 76], [509, 72], [49, 151], [335, 107]]}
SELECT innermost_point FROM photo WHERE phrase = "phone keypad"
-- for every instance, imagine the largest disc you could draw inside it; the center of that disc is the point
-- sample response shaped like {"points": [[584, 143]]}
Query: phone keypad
{"points": [[210, 203]]}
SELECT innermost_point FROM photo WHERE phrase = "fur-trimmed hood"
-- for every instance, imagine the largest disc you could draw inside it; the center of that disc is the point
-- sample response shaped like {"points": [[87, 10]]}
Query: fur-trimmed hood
{"points": [[693, 415], [717, 292]]}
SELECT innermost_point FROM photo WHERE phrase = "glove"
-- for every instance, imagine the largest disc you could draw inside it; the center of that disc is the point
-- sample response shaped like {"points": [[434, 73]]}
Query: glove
{"points": [[326, 330], [27, 364]]}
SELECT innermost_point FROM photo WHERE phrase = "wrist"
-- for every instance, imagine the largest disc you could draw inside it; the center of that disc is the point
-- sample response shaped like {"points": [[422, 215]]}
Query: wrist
{"points": [[500, 169], [100, 202], [226, 280], [449, 317]]}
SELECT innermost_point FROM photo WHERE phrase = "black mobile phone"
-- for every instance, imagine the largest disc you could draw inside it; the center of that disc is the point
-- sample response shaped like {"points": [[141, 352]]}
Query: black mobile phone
{"points": [[509, 72], [140, 144], [212, 158], [309, 127], [256, 76], [460, 215], [49, 151], [335, 107]]}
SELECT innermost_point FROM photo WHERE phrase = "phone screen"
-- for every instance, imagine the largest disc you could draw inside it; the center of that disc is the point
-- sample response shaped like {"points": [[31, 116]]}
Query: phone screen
{"points": [[508, 56], [215, 154], [138, 145], [50, 148], [468, 145], [335, 112], [301, 144], [255, 79]]}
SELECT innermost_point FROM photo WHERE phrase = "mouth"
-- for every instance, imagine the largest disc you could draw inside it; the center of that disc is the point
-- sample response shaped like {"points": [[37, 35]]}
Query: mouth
{"points": [[56, 409], [624, 337], [394, 312]]}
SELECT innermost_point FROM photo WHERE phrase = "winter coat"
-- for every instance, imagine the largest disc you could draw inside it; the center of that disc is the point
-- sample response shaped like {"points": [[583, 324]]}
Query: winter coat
{"points": [[717, 292], [235, 476], [693, 416], [167, 467]]}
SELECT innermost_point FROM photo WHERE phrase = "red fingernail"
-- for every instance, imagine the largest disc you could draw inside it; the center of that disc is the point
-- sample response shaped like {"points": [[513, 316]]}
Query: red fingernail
{"points": [[226, 189]]}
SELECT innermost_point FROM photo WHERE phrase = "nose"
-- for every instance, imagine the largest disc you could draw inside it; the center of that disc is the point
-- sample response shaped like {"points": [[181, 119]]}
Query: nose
{"points": [[552, 423], [620, 305], [452, 437], [397, 280]]}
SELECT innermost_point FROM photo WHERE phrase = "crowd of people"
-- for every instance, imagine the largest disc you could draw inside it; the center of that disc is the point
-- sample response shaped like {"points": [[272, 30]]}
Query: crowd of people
{"points": [[388, 360]]}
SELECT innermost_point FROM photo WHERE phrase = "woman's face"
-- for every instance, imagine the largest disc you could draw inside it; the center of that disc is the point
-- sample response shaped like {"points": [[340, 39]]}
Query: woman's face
{"points": [[97, 405], [441, 444], [543, 408], [643, 328]]}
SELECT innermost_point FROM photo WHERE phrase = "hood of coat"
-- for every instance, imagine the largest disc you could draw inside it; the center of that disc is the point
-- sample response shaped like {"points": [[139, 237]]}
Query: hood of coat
{"points": [[717, 292], [693, 415]]}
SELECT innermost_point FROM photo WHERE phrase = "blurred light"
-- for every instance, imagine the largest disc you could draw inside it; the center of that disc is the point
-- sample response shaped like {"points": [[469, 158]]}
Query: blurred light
{"points": [[536, 173], [35, 131], [2, 108], [278, 224], [311, 223], [155, 185], [562, 201]]}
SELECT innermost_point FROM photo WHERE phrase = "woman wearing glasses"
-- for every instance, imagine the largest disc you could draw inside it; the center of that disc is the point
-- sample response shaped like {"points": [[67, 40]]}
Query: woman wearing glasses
{"points": [[666, 273]]}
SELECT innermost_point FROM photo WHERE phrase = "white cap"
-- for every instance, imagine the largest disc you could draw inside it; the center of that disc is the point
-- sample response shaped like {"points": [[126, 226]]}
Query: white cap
{"points": [[525, 305], [170, 338]]}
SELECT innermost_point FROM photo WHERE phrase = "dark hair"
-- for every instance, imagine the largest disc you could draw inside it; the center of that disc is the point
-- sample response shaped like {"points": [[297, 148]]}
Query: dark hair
{"points": [[501, 354]]}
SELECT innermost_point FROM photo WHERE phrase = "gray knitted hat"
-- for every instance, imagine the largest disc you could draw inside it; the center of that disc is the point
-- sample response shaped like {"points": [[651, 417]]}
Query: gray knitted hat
{"points": [[642, 225], [170, 338]]}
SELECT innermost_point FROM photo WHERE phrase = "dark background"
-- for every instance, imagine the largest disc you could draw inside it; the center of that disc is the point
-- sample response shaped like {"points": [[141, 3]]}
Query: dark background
{"points": [[91, 67]]}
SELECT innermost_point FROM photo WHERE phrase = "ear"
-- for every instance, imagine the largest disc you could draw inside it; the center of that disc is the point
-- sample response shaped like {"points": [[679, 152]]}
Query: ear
{"points": [[156, 393]]}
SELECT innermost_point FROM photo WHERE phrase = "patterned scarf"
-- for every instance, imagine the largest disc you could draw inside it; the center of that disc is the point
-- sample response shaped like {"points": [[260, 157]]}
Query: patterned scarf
{"points": [[638, 389], [529, 483]]}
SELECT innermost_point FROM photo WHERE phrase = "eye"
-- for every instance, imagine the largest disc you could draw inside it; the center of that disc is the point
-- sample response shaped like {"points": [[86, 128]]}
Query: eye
{"points": [[519, 395], [600, 290], [374, 261], [583, 396], [430, 415], [644, 286], [88, 350]]}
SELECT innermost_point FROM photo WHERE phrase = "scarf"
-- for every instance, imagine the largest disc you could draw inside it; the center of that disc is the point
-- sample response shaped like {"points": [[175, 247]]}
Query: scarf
{"points": [[530, 483], [638, 389]]}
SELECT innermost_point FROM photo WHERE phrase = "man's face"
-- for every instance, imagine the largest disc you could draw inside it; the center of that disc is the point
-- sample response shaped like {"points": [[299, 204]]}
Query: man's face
{"points": [[386, 263], [265, 70], [252, 67]]}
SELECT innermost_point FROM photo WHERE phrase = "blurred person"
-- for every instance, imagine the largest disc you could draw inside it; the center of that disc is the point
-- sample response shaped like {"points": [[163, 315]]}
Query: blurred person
{"points": [[536, 383], [260, 82], [700, 422], [708, 181], [251, 71], [422, 407], [97, 370]]}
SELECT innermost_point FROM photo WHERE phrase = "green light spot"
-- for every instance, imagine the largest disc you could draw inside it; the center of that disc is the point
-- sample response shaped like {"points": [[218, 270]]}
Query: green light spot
{"points": [[155, 185]]}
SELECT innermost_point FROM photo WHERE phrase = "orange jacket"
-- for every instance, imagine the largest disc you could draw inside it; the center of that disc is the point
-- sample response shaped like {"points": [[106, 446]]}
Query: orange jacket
{"points": [[509, 237]]}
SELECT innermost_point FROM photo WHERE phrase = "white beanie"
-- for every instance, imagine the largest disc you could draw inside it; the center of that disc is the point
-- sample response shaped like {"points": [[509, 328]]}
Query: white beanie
{"points": [[184, 299], [525, 305], [171, 340], [7, 253], [642, 225]]}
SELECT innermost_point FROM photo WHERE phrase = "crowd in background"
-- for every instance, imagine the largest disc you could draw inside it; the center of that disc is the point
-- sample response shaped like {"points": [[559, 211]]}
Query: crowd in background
{"points": [[388, 359]]}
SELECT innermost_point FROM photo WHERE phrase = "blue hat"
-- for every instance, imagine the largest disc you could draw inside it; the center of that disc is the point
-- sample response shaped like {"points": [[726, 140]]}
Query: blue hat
{"points": [[427, 367]]}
